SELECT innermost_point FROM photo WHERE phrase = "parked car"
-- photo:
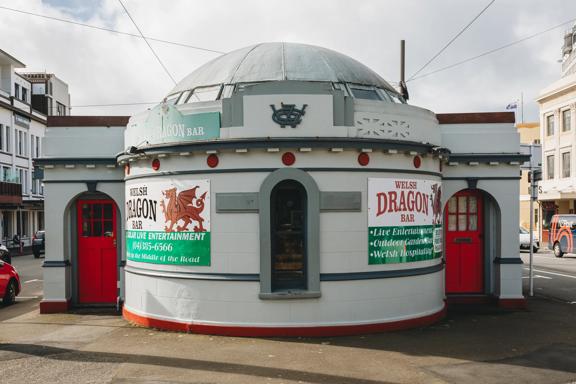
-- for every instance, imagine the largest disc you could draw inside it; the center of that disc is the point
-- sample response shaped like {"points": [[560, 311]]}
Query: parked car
{"points": [[9, 283], [5, 254], [562, 232], [38, 241], [525, 240]]}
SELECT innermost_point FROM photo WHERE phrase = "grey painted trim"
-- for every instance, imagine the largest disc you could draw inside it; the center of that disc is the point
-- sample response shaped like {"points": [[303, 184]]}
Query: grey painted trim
{"points": [[193, 275], [487, 157], [312, 227], [482, 178], [289, 87], [307, 169], [290, 295], [254, 277], [382, 274], [248, 201], [237, 202], [278, 142], [74, 160], [55, 264], [81, 181], [341, 201], [508, 260]]}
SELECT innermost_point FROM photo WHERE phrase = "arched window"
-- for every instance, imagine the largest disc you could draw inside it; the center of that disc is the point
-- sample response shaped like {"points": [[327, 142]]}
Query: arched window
{"points": [[289, 208], [288, 211]]}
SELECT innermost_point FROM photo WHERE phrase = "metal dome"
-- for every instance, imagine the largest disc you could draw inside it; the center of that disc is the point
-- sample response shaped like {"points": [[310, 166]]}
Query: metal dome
{"points": [[281, 61]]}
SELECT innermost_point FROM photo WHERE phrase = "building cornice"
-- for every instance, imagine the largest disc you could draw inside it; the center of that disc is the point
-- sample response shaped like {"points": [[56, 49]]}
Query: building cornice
{"points": [[476, 118]]}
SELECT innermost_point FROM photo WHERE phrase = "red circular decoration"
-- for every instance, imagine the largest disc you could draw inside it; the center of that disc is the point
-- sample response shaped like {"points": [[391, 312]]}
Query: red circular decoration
{"points": [[212, 160], [363, 159], [417, 161], [127, 169], [155, 164], [288, 158]]}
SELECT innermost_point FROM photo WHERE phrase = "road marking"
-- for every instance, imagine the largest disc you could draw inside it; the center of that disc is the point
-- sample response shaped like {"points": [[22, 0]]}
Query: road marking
{"points": [[27, 297], [538, 277], [32, 281], [552, 273]]}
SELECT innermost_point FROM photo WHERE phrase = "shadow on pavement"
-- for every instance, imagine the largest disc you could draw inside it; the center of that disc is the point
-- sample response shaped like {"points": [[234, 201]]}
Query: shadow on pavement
{"points": [[64, 354]]}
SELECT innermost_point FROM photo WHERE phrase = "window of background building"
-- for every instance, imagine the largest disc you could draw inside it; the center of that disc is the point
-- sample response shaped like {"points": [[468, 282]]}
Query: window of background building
{"points": [[549, 125], [60, 109], [17, 91], [8, 137], [24, 94], [566, 120], [566, 164], [1, 137], [550, 166], [37, 146]]}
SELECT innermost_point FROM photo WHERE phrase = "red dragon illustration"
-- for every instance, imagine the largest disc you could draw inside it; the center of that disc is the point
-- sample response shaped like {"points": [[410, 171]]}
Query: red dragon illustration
{"points": [[436, 200], [183, 206]]}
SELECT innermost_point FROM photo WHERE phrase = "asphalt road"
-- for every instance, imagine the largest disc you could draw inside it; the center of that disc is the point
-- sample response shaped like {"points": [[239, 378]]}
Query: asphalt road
{"points": [[30, 271], [553, 277]]}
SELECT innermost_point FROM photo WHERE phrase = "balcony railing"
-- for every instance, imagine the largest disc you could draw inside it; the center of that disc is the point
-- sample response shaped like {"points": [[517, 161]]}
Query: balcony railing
{"points": [[10, 193]]}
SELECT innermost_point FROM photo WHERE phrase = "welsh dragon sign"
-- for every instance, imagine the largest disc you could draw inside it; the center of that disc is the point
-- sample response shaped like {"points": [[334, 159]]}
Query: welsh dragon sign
{"points": [[168, 222]]}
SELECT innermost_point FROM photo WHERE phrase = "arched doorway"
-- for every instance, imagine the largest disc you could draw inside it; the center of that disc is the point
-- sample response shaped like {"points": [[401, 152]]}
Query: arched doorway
{"points": [[97, 250], [288, 216], [464, 228]]}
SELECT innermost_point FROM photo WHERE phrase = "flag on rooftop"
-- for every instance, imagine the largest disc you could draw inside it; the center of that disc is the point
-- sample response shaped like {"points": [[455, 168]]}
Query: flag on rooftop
{"points": [[512, 105]]}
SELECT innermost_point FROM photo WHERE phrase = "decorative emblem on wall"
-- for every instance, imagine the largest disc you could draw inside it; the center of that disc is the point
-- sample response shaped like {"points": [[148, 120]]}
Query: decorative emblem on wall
{"points": [[183, 206], [373, 126], [288, 114]]}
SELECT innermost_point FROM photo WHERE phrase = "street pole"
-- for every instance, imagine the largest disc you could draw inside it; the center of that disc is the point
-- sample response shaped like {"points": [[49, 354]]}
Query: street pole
{"points": [[532, 194]]}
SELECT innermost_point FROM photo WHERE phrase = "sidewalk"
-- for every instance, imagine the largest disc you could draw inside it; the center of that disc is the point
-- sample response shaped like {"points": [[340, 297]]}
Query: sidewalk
{"points": [[484, 346]]}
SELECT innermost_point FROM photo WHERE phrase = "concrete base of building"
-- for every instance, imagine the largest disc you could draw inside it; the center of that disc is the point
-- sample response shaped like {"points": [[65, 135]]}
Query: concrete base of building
{"points": [[519, 303], [54, 306], [319, 331], [469, 299]]}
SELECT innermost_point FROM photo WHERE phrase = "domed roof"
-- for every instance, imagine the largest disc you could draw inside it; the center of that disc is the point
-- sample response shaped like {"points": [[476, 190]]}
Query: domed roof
{"points": [[281, 61]]}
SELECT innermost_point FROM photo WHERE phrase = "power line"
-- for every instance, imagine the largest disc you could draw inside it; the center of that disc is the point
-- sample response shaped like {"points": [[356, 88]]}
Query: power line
{"points": [[494, 50], [452, 40], [109, 30], [114, 104], [147, 43]]}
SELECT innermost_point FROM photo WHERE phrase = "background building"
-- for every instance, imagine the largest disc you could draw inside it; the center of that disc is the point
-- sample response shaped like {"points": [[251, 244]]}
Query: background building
{"points": [[529, 134], [22, 128], [49, 94], [558, 138]]}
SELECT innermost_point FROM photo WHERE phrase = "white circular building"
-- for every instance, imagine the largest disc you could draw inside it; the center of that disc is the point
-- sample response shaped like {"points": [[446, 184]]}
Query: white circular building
{"points": [[283, 189], [295, 194]]}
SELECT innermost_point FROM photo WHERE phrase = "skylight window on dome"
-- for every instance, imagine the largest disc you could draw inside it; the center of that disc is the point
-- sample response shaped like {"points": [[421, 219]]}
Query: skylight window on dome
{"points": [[365, 93], [205, 94], [184, 97]]}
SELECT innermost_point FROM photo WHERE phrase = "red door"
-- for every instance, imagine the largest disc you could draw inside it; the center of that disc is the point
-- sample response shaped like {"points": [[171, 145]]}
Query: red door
{"points": [[97, 267], [464, 239]]}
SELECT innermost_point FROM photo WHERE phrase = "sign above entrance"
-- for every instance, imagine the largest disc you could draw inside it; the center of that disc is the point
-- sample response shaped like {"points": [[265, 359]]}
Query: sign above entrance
{"points": [[168, 222], [404, 220], [166, 124]]}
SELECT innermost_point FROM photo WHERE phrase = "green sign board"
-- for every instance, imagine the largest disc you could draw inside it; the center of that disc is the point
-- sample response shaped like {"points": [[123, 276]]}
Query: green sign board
{"points": [[166, 124], [168, 222], [404, 220]]}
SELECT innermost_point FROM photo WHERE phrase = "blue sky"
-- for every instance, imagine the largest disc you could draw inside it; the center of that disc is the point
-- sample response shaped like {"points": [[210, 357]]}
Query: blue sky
{"points": [[79, 9]]}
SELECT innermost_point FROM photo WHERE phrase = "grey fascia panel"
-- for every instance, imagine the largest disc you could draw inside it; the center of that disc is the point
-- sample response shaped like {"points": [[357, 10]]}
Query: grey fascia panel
{"points": [[74, 160], [237, 202], [341, 201], [488, 157]]}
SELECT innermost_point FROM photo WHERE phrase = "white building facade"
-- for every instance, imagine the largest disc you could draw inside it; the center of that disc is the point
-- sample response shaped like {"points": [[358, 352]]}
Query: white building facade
{"points": [[21, 132], [282, 189], [558, 137]]}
